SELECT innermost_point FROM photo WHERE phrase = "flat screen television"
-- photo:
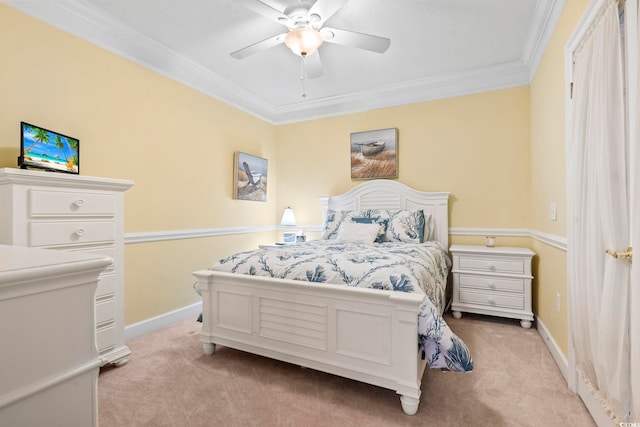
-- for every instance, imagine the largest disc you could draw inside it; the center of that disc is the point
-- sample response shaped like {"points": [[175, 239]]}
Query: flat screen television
{"points": [[41, 148]]}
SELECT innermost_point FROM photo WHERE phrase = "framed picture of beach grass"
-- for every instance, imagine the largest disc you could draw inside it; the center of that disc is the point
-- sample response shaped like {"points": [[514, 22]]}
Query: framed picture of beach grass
{"points": [[374, 154], [250, 177]]}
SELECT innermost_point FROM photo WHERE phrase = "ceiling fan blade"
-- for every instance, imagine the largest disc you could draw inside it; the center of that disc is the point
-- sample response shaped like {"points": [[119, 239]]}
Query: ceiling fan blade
{"points": [[258, 47], [326, 8], [359, 40], [265, 10], [313, 65]]}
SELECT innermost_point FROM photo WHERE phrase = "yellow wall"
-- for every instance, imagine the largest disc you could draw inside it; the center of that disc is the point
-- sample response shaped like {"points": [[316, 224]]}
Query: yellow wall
{"points": [[475, 146], [500, 153], [174, 142], [548, 173]]}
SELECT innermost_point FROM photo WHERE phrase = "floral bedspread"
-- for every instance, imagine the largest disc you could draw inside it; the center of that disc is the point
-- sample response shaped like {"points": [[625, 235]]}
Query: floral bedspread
{"points": [[404, 267]]}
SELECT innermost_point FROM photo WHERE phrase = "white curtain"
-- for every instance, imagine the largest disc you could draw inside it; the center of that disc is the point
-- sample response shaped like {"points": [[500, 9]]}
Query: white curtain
{"points": [[634, 142], [597, 196]]}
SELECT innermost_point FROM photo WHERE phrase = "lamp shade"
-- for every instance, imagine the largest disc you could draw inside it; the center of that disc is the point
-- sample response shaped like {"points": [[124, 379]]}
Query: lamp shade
{"points": [[288, 217], [303, 41]]}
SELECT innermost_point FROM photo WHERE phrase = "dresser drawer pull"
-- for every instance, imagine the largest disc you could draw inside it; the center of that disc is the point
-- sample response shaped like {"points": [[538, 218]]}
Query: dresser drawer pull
{"points": [[79, 203], [491, 285], [79, 232], [492, 267], [491, 300]]}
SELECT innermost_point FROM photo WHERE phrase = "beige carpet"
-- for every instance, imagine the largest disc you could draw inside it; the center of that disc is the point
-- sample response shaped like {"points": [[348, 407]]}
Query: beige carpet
{"points": [[169, 382]]}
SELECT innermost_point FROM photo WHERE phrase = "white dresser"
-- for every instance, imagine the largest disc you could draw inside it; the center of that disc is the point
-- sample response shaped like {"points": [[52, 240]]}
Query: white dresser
{"points": [[49, 363], [73, 213], [494, 281]]}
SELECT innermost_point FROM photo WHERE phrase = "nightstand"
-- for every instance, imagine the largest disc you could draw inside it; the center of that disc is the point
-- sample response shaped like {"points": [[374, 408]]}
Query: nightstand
{"points": [[494, 281]]}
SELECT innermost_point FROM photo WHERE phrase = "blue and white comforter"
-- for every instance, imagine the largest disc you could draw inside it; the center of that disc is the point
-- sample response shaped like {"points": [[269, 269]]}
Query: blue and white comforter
{"points": [[405, 267]]}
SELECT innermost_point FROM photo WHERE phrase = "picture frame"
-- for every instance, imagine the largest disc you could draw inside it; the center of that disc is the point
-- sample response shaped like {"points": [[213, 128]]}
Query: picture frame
{"points": [[374, 154], [250, 177]]}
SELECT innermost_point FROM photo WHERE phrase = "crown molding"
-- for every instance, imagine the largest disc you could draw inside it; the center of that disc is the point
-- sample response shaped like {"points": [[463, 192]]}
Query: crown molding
{"points": [[545, 17], [495, 77], [89, 23]]}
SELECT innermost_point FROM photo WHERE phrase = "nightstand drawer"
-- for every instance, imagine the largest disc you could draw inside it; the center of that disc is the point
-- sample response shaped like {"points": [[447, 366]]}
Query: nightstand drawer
{"points": [[68, 233], [70, 203], [491, 299], [492, 265], [491, 283], [105, 312]]}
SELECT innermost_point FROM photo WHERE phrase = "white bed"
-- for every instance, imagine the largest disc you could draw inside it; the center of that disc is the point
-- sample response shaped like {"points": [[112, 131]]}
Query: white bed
{"points": [[234, 307]]}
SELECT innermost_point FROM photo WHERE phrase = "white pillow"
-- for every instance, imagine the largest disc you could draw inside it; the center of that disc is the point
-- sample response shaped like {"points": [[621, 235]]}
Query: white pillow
{"points": [[353, 232]]}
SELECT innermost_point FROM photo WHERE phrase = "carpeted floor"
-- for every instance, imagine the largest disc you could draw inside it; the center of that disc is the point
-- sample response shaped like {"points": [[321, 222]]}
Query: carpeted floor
{"points": [[169, 382]]}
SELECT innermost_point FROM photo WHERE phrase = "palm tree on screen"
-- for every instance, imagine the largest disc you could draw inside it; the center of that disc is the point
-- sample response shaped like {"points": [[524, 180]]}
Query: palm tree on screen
{"points": [[40, 137]]}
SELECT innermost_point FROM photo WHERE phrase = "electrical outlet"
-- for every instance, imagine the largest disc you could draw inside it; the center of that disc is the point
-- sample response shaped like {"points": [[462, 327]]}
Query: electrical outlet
{"points": [[553, 211], [558, 302]]}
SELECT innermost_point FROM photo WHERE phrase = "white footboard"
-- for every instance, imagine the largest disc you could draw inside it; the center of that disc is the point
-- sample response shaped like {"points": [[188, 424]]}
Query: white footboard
{"points": [[363, 334]]}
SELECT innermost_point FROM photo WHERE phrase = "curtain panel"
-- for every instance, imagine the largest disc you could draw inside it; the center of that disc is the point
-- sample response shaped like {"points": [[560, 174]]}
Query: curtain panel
{"points": [[598, 208]]}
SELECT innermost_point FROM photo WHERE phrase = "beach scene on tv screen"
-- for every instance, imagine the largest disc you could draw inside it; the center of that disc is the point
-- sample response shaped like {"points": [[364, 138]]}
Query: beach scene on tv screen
{"points": [[46, 149]]}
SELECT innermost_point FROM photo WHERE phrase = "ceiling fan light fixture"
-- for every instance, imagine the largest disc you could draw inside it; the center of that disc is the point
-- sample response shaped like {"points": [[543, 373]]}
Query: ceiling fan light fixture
{"points": [[303, 41]]}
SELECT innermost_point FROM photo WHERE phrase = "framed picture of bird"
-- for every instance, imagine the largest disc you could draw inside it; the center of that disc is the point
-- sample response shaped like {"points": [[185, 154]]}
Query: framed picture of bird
{"points": [[250, 180]]}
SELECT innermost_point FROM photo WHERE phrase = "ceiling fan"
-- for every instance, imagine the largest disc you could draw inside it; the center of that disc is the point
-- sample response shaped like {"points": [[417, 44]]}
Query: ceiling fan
{"points": [[305, 21]]}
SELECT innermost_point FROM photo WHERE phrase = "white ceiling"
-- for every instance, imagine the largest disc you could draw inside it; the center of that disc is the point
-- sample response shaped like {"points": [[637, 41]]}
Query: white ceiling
{"points": [[439, 48]]}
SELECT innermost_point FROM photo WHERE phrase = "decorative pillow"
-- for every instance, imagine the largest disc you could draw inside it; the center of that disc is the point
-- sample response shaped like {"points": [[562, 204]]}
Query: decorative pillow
{"points": [[401, 225], [405, 226], [373, 220], [333, 221], [353, 232]]}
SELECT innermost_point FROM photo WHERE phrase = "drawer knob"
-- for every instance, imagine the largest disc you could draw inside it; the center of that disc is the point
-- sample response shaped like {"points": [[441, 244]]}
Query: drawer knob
{"points": [[491, 285], [491, 300], [492, 267], [80, 232], [79, 203]]}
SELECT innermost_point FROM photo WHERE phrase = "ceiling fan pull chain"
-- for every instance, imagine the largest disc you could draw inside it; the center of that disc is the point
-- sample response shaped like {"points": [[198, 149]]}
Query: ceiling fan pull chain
{"points": [[304, 90]]}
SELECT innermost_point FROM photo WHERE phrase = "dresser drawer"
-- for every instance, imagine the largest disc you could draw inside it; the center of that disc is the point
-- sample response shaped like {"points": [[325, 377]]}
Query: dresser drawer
{"points": [[105, 312], [492, 265], [492, 299], [106, 339], [106, 285], [70, 203], [491, 283], [68, 233]]}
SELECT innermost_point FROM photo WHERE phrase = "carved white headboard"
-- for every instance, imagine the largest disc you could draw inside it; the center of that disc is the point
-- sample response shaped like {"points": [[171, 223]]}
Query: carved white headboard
{"points": [[385, 194]]}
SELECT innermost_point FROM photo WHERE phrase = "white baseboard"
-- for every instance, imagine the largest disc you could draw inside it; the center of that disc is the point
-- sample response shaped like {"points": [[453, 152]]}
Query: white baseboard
{"points": [[555, 351], [601, 418], [591, 403], [161, 321]]}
